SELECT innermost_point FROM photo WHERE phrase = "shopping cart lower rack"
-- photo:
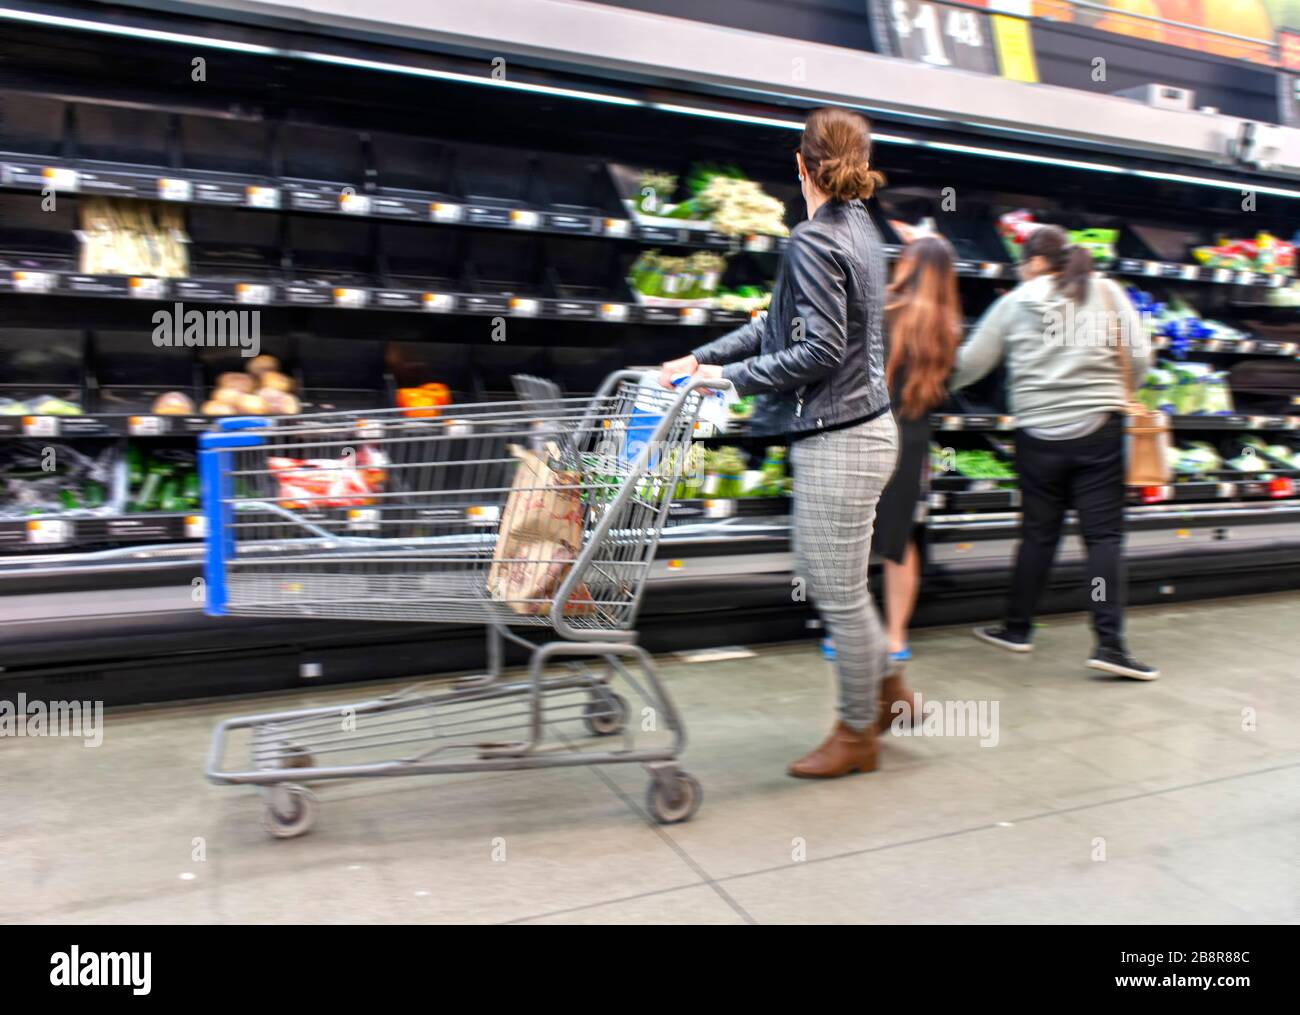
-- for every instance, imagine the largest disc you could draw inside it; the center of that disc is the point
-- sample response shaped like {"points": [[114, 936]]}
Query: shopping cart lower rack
{"points": [[541, 512]]}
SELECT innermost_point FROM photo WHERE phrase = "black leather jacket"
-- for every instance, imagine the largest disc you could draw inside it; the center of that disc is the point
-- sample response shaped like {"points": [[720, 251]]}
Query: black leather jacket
{"points": [[817, 359]]}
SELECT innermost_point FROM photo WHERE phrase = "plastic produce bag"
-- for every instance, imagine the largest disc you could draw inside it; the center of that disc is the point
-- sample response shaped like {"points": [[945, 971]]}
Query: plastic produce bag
{"points": [[312, 483]]}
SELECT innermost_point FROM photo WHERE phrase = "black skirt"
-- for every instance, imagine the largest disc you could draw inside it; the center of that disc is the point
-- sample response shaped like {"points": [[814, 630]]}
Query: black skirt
{"points": [[896, 513]]}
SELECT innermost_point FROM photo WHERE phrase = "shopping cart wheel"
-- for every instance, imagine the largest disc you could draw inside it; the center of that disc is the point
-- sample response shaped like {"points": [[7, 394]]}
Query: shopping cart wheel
{"points": [[290, 810], [674, 797], [605, 713]]}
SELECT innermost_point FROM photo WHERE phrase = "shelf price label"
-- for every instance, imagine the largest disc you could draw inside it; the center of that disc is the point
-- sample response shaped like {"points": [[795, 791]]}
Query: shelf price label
{"points": [[352, 203], [441, 211], [354, 298], [175, 190], [196, 527], [1190, 272], [521, 307], [617, 227], [262, 197], [48, 530], [1152, 268], [522, 219], [147, 288], [1222, 275], [252, 292], [758, 243], [146, 426], [40, 426], [67, 180], [990, 269], [439, 303], [33, 281], [613, 312], [363, 519], [694, 315]]}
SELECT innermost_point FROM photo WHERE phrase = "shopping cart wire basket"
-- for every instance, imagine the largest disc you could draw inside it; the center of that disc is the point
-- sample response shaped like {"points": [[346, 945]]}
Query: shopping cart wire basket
{"points": [[541, 512]]}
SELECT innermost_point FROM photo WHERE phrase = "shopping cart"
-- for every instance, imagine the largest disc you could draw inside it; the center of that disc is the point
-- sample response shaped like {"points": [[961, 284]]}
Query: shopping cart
{"points": [[543, 512]]}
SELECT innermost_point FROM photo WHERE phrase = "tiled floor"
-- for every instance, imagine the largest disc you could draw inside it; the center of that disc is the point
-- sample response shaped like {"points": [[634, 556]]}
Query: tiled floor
{"points": [[1103, 801]]}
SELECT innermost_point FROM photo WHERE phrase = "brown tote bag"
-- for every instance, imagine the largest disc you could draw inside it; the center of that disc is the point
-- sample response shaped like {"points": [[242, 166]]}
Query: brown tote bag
{"points": [[1146, 431]]}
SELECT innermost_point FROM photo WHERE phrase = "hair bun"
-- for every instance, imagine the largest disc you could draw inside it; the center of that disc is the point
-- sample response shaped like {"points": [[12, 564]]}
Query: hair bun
{"points": [[836, 148]]}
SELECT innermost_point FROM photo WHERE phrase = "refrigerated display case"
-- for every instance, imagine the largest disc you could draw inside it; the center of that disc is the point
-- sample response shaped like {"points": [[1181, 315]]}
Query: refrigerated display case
{"points": [[396, 230]]}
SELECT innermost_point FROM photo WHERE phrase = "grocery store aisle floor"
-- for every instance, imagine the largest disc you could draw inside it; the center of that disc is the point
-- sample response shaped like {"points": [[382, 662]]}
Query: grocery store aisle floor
{"points": [[1103, 801]]}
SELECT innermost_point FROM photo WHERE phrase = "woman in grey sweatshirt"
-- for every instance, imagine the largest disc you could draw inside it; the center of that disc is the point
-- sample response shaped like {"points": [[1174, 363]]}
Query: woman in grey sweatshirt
{"points": [[1057, 332]]}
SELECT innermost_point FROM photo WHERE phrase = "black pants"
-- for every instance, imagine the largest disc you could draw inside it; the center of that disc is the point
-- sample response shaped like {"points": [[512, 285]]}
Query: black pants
{"points": [[1086, 474]]}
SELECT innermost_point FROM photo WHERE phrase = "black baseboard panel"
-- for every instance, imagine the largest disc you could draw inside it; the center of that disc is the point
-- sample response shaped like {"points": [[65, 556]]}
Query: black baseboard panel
{"points": [[188, 656]]}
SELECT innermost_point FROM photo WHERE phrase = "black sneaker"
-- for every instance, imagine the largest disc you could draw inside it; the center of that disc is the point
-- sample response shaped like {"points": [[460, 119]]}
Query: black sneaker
{"points": [[1003, 638], [1121, 664]]}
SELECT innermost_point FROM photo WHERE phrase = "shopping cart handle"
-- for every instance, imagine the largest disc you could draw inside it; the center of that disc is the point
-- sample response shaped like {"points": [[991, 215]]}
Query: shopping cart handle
{"points": [[721, 384]]}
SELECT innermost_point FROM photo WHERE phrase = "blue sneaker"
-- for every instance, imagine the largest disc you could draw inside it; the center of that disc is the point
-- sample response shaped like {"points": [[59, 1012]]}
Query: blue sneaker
{"points": [[903, 655], [828, 648]]}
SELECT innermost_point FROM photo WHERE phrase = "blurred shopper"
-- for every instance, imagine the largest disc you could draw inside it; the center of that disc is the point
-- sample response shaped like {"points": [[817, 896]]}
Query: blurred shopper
{"points": [[923, 319], [1056, 330], [818, 363]]}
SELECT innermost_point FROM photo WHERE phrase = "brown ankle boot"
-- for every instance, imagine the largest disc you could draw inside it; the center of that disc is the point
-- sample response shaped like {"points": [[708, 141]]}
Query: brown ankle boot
{"points": [[892, 689], [844, 751]]}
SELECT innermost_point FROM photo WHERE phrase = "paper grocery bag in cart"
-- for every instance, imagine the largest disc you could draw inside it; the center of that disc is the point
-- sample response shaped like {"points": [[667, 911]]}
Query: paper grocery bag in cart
{"points": [[539, 537]]}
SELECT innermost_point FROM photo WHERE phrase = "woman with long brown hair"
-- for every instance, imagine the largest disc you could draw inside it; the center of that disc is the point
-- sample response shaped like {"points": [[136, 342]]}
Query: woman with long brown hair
{"points": [[923, 323], [817, 364]]}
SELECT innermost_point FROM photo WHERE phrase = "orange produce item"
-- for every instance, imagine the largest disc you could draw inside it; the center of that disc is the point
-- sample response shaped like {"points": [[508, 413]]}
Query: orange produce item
{"points": [[440, 391], [418, 402]]}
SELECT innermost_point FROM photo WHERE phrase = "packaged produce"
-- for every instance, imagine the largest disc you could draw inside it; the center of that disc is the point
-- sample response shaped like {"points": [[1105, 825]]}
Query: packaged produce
{"points": [[44, 479], [259, 365], [349, 481], [731, 203], [121, 237], [1014, 228], [655, 191], [1194, 458], [773, 477], [261, 391], [1098, 242], [745, 297], [172, 403], [723, 469], [1282, 454], [1216, 395], [426, 400], [161, 479], [704, 270], [981, 464], [1156, 392], [49, 406], [1265, 253]]}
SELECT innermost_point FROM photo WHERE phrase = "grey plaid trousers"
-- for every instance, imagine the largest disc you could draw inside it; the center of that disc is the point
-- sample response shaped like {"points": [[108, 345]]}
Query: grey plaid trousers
{"points": [[838, 477]]}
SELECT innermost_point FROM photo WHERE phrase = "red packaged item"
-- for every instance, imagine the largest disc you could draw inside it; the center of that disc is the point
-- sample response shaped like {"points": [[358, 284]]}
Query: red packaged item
{"points": [[350, 481]]}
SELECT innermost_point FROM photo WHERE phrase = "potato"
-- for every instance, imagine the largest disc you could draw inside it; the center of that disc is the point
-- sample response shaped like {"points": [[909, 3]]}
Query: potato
{"points": [[240, 382], [215, 408], [229, 396], [278, 381], [259, 365], [173, 403], [279, 403], [252, 405]]}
